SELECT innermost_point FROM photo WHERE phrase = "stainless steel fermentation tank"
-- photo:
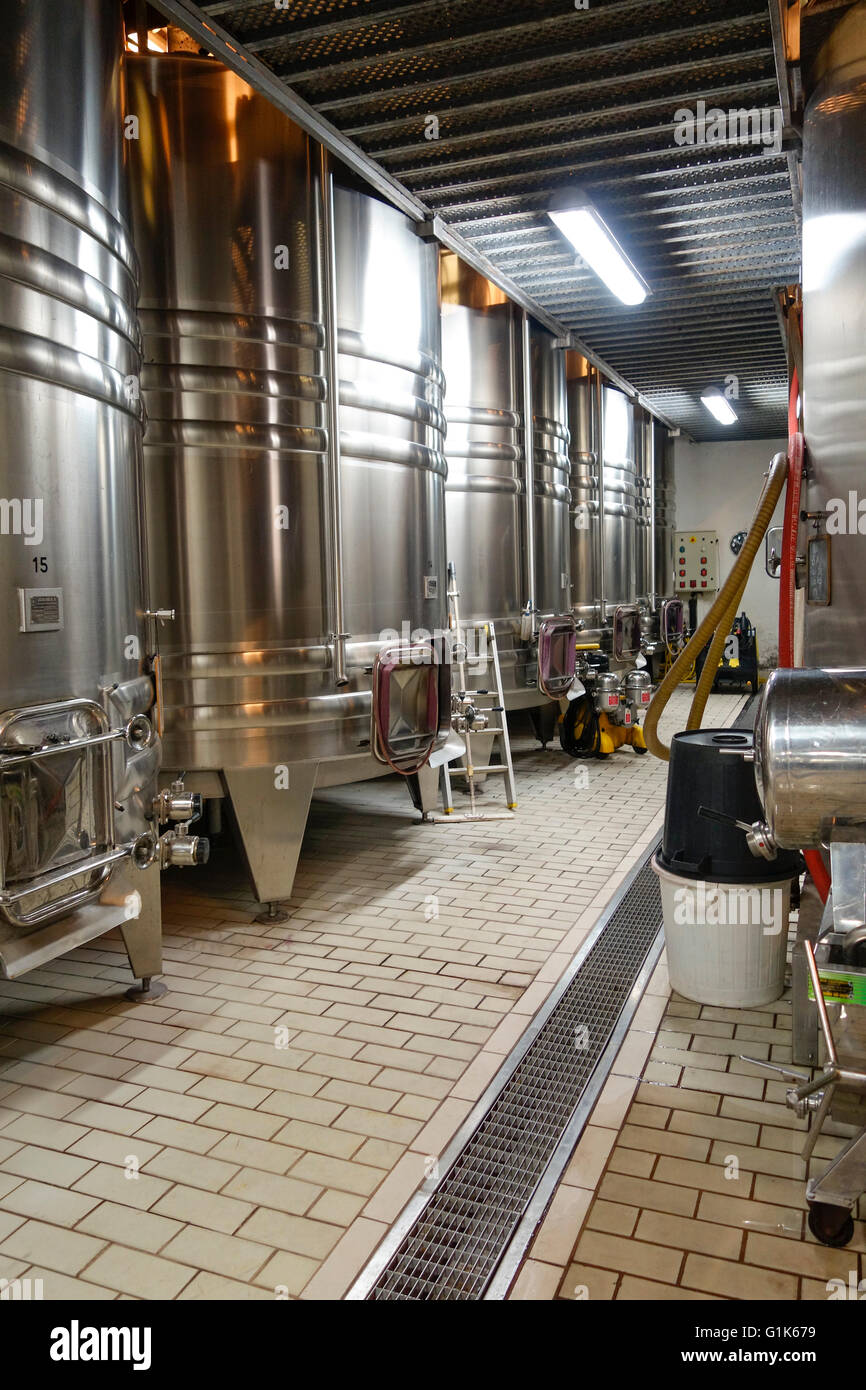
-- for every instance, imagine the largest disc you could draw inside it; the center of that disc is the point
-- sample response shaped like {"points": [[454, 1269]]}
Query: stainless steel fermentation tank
{"points": [[77, 754], [604, 544], [811, 731], [622, 555], [664, 518], [834, 349], [291, 524], [507, 540], [644, 469]]}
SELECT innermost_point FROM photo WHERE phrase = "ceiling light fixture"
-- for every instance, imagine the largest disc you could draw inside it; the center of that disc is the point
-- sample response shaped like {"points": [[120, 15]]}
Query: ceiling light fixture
{"points": [[595, 243], [719, 406]]}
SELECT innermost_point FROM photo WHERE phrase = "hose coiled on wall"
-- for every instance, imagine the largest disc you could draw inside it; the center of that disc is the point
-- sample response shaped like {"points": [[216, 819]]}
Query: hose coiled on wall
{"points": [[717, 623]]}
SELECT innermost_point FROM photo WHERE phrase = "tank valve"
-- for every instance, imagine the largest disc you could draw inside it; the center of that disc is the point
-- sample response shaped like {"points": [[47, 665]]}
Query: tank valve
{"points": [[180, 850], [175, 803], [177, 847], [468, 716], [803, 1106]]}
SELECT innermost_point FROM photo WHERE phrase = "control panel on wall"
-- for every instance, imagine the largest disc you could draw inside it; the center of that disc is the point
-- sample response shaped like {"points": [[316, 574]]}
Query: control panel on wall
{"points": [[697, 557]]}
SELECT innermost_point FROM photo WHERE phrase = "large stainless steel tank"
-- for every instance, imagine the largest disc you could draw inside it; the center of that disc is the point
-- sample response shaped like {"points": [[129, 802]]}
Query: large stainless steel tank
{"points": [[601, 420], [620, 497], [665, 515], [550, 440], [834, 343], [644, 443], [505, 559], [484, 489], [585, 537], [263, 535], [71, 619]]}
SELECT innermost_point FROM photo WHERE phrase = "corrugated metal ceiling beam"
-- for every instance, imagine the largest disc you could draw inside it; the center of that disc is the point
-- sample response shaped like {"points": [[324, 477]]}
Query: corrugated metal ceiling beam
{"points": [[346, 25], [512, 71], [522, 204], [532, 27], [632, 109], [591, 86], [666, 156]]}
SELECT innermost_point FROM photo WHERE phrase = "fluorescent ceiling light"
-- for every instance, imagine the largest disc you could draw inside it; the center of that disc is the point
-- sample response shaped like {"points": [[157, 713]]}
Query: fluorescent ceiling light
{"points": [[717, 405], [595, 243]]}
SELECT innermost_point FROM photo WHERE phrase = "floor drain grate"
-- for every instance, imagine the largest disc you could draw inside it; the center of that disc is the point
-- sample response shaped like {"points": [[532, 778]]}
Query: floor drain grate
{"points": [[748, 714], [453, 1246]]}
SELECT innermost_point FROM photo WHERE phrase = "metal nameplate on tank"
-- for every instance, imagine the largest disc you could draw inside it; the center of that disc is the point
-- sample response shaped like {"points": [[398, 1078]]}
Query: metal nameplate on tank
{"points": [[40, 610]]}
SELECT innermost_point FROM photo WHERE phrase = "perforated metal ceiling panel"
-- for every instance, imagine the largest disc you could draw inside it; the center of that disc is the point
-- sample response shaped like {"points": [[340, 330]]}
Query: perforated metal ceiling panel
{"points": [[528, 98]]}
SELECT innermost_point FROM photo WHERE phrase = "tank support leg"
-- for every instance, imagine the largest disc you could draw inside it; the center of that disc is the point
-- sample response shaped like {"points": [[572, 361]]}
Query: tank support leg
{"points": [[271, 805], [142, 938], [544, 719], [424, 790]]}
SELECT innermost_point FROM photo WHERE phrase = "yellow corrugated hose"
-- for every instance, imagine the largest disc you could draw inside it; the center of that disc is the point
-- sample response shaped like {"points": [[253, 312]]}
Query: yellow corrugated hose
{"points": [[719, 619]]}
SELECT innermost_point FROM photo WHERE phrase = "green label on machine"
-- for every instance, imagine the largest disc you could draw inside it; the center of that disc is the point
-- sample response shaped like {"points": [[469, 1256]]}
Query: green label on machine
{"points": [[840, 987]]}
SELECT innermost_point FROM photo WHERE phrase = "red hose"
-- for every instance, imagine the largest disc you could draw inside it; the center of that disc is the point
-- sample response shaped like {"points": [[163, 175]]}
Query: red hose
{"points": [[796, 457]]}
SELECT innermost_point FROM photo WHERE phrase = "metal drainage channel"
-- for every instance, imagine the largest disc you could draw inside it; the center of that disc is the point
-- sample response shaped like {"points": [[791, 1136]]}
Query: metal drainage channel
{"points": [[464, 1234], [748, 714]]}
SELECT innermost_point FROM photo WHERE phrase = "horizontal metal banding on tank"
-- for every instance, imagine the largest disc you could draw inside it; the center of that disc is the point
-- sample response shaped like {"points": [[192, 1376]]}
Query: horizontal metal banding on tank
{"points": [[251, 386], [221, 698], [37, 182], [275, 714], [26, 355], [478, 415], [407, 407], [235, 331], [262, 389], [291, 444], [38, 269], [380, 449], [407, 388], [558, 492], [552, 428], [483, 482], [68, 274], [355, 344]]}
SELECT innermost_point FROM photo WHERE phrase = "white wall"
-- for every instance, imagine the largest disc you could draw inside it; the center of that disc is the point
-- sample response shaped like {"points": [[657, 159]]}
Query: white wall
{"points": [[717, 489]]}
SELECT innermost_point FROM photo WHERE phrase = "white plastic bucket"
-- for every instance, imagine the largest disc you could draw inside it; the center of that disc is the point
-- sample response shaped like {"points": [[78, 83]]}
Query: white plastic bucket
{"points": [[726, 942]]}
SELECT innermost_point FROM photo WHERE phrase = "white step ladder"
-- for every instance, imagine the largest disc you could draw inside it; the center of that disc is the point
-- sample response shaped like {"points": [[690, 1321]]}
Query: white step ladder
{"points": [[481, 712]]}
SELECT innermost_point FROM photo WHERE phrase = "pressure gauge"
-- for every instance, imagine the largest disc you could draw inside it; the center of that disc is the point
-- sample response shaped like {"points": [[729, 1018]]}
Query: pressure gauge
{"points": [[738, 541]]}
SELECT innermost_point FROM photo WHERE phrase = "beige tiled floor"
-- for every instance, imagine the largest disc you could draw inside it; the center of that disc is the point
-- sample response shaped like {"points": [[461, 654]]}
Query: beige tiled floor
{"points": [[255, 1132], [687, 1182]]}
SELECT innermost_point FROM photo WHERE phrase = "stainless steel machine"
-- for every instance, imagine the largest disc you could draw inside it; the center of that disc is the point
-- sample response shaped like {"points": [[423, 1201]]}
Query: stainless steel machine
{"points": [[810, 764], [507, 494], [664, 518], [664, 621], [611, 543], [644, 548], [604, 521], [294, 467], [79, 813]]}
